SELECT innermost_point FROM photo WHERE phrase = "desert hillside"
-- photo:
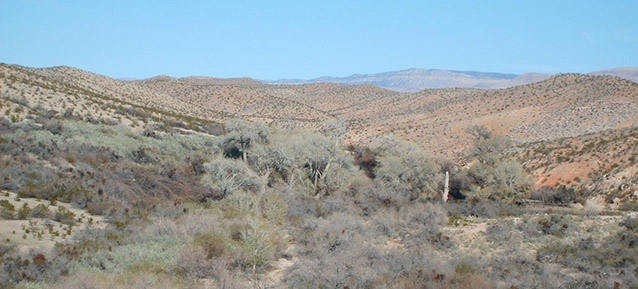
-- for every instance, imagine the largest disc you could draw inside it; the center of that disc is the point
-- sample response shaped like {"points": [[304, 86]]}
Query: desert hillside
{"points": [[600, 164], [563, 106], [566, 105], [115, 184]]}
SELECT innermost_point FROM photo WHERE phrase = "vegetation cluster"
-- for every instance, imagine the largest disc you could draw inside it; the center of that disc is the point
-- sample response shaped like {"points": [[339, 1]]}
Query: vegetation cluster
{"points": [[230, 211]]}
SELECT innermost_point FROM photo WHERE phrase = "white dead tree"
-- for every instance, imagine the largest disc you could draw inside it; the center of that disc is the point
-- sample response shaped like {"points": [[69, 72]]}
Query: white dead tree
{"points": [[446, 187]]}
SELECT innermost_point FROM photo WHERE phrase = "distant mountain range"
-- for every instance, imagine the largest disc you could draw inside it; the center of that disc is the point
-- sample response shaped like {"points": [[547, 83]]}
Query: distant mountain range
{"points": [[416, 79]]}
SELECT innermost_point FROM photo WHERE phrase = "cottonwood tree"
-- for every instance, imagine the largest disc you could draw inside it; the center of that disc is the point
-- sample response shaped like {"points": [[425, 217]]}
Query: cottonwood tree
{"points": [[316, 161], [488, 148], [406, 169], [275, 157], [241, 135], [317, 154], [491, 150], [510, 174], [302, 158], [506, 177]]}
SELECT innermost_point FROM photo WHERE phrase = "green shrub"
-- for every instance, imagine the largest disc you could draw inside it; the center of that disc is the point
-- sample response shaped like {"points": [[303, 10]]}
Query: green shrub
{"points": [[64, 216], [256, 245], [24, 212], [463, 269], [7, 210], [40, 211]]}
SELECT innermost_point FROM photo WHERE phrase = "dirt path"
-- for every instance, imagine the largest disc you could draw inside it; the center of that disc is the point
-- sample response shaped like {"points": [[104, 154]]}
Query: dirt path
{"points": [[276, 275]]}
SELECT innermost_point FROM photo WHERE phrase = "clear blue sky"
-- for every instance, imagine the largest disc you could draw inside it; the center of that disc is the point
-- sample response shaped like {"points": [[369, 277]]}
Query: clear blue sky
{"points": [[305, 39]]}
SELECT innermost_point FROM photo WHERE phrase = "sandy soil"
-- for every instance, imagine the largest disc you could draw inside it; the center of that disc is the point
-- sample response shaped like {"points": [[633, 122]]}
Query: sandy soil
{"points": [[16, 230]]}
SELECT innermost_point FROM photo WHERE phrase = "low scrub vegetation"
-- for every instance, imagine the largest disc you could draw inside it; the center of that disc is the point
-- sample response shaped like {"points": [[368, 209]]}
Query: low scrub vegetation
{"points": [[263, 207]]}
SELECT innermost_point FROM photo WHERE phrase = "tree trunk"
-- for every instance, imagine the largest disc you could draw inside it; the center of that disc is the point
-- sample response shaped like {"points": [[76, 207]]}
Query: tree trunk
{"points": [[446, 187]]}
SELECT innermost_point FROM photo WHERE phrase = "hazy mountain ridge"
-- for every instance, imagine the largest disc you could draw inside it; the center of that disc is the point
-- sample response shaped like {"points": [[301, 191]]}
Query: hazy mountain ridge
{"points": [[628, 73], [416, 79]]}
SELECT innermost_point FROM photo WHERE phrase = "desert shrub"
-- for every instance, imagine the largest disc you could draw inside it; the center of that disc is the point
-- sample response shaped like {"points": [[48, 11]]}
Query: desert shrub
{"points": [[40, 211], [99, 208], [196, 163], [365, 159], [213, 245], [299, 203], [428, 216], [56, 189], [195, 263], [548, 195], [256, 245], [143, 155], [7, 210], [143, 278], [241, 202], [593, 207], [24, 212], [227, 176], [213, 129], [630, 205], [530, 229], [336, 179], [346, 270], [557, 225], [273, 207], [34, 266], [64, 216], [53, 126], [499, 232], [629, 237], [461, 183], [343, 250], [613, 260], [630, 224], [483, 208], [273, 160], [334, 252], [158, 245]]}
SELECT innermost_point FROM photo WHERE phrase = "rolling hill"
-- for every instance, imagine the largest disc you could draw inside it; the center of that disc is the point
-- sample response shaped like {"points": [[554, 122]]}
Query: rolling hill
{"points": [[564, 105]]}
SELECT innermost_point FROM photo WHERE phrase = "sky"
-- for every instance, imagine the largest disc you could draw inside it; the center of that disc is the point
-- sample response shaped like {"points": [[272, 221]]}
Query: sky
{"points": [[307, 39]]}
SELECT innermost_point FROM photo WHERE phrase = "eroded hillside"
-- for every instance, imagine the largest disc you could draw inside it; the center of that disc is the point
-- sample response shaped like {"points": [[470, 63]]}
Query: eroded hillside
{"points": [[604, 164]]}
